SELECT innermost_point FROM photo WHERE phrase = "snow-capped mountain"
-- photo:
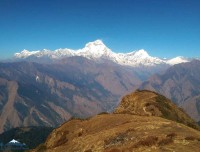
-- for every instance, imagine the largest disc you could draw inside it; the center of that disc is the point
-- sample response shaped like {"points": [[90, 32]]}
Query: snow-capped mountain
{"points": [[177, 60], [138, 58], [97, 50]]}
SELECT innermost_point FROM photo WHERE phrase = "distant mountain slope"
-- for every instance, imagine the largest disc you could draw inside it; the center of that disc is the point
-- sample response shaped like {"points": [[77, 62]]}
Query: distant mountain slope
{"points": [[31, 136], [98, 51], [130, 128], [35, 94], [180, 83]]}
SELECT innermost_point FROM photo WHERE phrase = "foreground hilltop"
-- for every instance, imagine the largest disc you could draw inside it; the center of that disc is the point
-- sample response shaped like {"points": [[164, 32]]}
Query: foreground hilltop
{"points": [[148, 103], [136, 125]]}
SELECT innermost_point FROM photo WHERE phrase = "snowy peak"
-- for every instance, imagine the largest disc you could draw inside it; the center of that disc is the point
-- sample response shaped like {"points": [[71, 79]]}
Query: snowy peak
{"points": [[139, 58], [95, 49], [177, 60], [25, 53], [97, 43], [96, 46], [141, 54]]}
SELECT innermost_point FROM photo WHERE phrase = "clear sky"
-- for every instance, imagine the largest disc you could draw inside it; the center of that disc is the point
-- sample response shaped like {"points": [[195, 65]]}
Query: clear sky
{"points": [[165, 28]]}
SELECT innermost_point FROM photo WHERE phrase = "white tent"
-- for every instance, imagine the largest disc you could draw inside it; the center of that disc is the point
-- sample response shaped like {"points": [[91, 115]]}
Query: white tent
{"points": [[14, 144]]}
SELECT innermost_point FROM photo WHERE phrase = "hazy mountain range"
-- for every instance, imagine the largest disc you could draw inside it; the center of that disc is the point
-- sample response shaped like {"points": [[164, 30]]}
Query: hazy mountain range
{"points": [[50, 94], [49, 87]]}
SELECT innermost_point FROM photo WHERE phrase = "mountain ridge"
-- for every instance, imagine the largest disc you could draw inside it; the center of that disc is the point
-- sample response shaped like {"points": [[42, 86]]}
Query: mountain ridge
{"points": [[97, 50], [122, 131]]}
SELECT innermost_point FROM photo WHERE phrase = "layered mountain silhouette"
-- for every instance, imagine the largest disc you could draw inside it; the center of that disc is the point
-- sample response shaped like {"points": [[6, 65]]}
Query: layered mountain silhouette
{"points": [[180, 83], [143, 121], [34, 94]]}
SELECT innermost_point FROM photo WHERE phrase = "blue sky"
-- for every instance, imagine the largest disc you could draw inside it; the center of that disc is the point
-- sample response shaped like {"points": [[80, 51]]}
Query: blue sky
{"points": [[165, 28]]}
